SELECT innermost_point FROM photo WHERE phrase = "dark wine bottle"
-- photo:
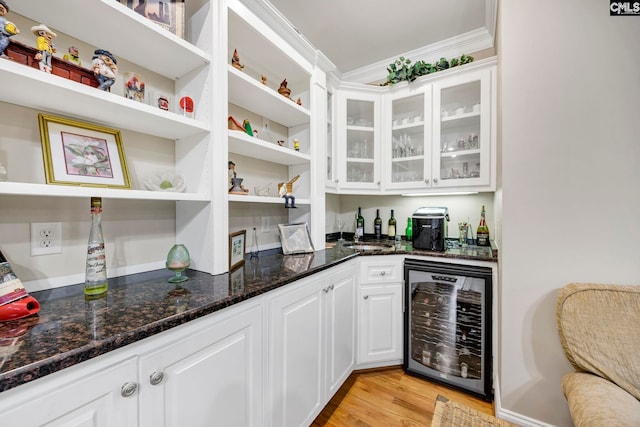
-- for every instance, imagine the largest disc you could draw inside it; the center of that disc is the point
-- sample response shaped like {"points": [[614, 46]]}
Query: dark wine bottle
{"points": [[377, 225], [360, 224], [391, 230], [482, 234]]}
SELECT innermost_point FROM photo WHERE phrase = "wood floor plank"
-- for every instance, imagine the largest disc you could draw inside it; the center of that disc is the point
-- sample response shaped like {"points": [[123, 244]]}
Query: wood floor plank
{"points": [[388, 397]]}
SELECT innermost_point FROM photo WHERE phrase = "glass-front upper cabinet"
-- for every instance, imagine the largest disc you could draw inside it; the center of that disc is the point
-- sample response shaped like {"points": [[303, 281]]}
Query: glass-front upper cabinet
{"points": [[462, 133], [359, 157], [408, 147], [331, 177]]}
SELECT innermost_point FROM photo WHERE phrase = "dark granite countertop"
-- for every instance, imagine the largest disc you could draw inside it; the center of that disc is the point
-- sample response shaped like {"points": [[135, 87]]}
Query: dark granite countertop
{"points": [[69, 330]]}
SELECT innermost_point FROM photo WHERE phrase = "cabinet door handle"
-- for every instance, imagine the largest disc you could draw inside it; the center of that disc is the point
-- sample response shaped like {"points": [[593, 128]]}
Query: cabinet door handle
{"points": [[382, 273], [156, 377], [128, 389], [337, 180], [326, 290], [435, 180], [366, 297], [378, 183], [426, 181]]}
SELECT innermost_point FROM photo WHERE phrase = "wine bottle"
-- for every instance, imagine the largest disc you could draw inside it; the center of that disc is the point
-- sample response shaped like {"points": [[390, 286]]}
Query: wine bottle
{"points": [[377, 225], [408, 232], [360, 224], [391, 231], [482, 234], [95, 281]]}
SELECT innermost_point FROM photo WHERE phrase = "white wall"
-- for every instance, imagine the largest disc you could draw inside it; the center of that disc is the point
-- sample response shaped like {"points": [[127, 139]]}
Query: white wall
{"points": [[570, 88]]}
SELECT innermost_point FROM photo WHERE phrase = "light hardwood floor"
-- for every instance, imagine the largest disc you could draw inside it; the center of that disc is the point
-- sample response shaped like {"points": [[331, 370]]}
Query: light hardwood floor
{"points": [[389, 397]]}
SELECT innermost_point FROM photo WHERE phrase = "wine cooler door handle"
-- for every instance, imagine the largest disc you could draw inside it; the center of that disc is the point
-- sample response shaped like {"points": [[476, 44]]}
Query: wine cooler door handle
{"points": [[128, 389]]}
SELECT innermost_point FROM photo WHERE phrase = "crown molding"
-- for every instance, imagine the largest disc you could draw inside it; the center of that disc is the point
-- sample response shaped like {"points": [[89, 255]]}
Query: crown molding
{"points": [[466, 43]]}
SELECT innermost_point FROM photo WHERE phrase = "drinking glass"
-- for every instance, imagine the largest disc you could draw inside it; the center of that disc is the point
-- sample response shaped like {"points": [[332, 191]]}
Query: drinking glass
{"points": [[178, 260]]}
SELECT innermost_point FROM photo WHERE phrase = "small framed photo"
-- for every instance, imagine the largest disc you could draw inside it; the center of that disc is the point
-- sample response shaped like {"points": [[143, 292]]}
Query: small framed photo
{"points": [[237, 244], [134, 86], [83, 154], [295, 238], [169, 14]]}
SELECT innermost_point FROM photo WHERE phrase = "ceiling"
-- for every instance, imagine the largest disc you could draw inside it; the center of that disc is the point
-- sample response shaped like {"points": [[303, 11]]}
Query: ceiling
{"points": [[354, 34]]}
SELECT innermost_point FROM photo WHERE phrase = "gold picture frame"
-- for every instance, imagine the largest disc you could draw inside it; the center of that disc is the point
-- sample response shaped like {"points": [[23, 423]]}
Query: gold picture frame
{"points": [[169, 14], [237, 247], [82, 154]]}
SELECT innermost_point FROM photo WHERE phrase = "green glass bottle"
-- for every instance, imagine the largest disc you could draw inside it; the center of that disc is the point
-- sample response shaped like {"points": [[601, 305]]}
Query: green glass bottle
{"points": [[409, 230]]}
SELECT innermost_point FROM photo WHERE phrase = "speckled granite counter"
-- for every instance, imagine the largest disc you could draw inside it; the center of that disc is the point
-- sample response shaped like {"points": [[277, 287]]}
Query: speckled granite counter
{"points": [[69, 330]]}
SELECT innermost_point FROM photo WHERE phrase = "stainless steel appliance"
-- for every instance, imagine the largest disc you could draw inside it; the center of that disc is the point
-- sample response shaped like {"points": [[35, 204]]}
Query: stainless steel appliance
{"points": [[447, 329], [429, 226]]}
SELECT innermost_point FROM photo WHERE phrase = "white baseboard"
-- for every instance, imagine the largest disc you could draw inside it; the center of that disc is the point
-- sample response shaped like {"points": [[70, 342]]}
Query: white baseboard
{"points": [[512, 417]]}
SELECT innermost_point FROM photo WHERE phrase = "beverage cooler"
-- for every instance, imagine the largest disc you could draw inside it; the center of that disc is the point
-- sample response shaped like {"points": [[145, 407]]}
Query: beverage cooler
{"points": [[447, 329]]}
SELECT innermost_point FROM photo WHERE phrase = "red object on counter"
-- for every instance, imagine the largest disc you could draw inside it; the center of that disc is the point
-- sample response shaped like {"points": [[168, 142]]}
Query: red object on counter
{"points": [[23, 307]]}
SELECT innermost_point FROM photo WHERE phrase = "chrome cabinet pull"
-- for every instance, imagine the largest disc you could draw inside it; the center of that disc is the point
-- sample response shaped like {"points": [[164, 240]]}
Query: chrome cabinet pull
{"points": [[156, 377], [366, 297], [382, 273], [128, 389]]}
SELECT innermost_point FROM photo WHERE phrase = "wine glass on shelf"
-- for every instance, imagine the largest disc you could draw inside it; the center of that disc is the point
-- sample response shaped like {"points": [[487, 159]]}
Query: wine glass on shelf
{"points": [[340, 223], [178, 260]]}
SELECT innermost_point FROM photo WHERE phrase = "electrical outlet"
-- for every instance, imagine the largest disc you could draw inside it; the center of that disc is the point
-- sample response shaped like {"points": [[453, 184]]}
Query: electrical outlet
{"points": [[46, 238]]}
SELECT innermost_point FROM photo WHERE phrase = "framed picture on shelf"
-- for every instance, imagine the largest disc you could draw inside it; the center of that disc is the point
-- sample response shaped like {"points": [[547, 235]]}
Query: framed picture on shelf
{"points": [[295, 238], [237, 244], [83, 154], [169, 14]]}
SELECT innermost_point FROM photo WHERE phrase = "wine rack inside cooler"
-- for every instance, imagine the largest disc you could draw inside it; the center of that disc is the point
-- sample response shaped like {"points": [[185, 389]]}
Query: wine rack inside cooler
{"points": [[448, 325]]}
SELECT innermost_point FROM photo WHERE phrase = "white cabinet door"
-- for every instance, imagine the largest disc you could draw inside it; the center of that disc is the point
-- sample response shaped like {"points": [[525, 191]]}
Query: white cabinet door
{"points": [[464, 130], [340, 327], [91, 396], [210, 377], [296, 328], [380, 323], [358, 116]]}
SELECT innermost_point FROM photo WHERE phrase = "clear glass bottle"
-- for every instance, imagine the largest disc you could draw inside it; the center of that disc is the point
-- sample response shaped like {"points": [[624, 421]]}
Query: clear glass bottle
{"points": [[95, 281]]}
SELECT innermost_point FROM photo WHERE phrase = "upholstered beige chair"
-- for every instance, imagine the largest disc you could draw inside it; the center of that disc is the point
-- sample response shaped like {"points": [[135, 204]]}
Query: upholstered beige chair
{"points": [[599, 327]]}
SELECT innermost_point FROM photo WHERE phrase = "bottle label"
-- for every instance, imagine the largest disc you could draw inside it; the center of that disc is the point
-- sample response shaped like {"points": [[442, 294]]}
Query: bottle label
{"points": [[96, 263], [360, 231], [378, 230], [392, 231], [11, 288]]}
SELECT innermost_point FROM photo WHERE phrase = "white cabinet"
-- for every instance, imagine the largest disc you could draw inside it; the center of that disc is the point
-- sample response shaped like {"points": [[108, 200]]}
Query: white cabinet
{"points": [[208, 372], [380, 311], [464, 130], [358, 138], [438, 132], [102, 393], [211, 376], [311, 345]]}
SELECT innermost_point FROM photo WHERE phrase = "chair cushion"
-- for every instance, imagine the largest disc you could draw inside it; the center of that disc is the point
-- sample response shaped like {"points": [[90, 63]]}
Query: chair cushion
{"points": [[599, 328], [594, 401]]}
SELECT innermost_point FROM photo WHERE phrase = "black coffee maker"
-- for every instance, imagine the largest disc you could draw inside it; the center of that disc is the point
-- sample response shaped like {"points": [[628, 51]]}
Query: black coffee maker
{"points": [[430, 228]]}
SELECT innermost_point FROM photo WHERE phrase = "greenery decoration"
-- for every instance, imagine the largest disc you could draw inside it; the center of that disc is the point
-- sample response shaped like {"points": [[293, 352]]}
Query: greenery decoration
{"points": [[402, 69]]}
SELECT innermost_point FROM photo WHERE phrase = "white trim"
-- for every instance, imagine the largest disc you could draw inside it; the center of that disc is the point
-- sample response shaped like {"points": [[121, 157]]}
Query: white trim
{"points": [[58, 282], [466, 43], [510, 416]]}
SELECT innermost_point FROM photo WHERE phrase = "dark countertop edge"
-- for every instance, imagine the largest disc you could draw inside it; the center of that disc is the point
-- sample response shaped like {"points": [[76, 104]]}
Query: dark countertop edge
{"points": [[44, 367]]}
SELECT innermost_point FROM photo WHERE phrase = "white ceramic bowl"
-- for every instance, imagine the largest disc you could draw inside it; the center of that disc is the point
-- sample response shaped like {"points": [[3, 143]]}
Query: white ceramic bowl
{"points": [[165, 181]]}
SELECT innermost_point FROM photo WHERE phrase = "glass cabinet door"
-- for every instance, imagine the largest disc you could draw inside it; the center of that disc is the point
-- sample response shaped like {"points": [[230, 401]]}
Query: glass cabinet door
{"points": [[410, 143], [331, 177], [360, 148], [462, 134]]}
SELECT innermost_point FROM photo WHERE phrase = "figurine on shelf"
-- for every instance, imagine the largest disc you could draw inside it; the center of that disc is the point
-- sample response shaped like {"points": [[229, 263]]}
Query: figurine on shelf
{"points": [[263, 79], [235, 61], [284, 90], [104, 68], [247, 127], [296, 145], [44, 46], [72, 56], [235, 182], [281, 142], [285, 190], [7, 29], [299, 102]]}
